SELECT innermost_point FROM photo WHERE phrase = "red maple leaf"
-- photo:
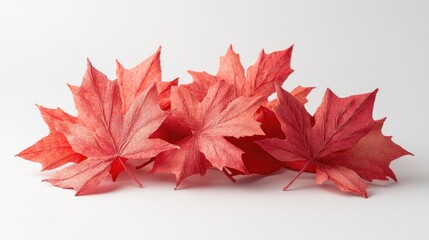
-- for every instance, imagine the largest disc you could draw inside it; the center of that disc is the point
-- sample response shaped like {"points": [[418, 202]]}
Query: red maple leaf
{"points": [[200, 129], [341, 142], [259, 80], [54, 150], [107, 132]]}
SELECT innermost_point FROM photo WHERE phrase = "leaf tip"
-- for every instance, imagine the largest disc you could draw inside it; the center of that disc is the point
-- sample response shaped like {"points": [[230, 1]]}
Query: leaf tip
{"points": [[38, 106], [178, 182], [118, 64], [230, 51], [329, 91], [230, 48], [365, 194], [79, 193], [88, 63]]}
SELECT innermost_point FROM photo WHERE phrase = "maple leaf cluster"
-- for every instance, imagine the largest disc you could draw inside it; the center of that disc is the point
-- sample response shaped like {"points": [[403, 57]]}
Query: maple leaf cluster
{"points": [[221, 121]]}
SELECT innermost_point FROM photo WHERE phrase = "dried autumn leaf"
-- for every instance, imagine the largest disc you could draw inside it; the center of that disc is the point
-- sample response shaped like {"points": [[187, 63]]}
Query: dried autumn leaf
{"points": [[54, 150], [105, 134], [200, 130], [341, 143], [259, 80]]}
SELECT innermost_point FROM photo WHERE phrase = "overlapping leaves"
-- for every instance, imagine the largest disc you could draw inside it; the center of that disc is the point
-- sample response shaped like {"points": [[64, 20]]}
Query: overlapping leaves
{"points": [[221, 121]]}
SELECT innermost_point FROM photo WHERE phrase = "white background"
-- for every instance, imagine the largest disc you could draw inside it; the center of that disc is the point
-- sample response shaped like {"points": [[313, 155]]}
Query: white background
{"points": [[349, 46]]}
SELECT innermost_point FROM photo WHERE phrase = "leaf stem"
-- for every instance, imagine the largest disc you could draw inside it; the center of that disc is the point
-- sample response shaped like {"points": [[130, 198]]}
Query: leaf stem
{"points": [[228, 175], [297, 176], [130, 174], [145, 163]]}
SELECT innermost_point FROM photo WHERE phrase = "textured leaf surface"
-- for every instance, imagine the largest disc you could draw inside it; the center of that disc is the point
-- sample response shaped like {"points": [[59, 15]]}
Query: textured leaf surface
{"points": [[335, 142], [114, 123], [203, 128], [53, 150]]}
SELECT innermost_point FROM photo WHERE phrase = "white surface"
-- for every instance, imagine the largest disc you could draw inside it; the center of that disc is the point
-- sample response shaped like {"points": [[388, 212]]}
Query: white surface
{"points": [[349, 46]]}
